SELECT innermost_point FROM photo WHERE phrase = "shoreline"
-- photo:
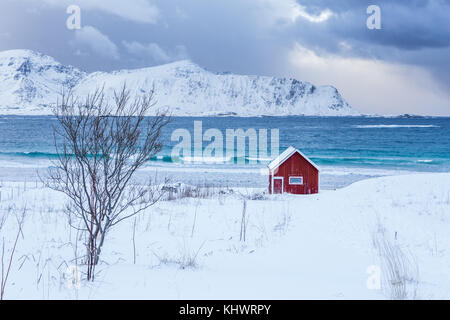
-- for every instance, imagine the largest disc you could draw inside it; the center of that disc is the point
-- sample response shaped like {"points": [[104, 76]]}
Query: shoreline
{"points": [[232, 176], [363, 116]]}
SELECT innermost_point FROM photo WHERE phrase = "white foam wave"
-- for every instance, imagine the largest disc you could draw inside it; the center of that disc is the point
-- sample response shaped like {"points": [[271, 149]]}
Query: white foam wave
{"points": [[206, 159], [390, 126], [258, 159]]}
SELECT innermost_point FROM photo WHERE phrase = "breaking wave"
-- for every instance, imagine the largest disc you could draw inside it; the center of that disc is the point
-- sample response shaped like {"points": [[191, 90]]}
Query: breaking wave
{"points": [[390, 126]]}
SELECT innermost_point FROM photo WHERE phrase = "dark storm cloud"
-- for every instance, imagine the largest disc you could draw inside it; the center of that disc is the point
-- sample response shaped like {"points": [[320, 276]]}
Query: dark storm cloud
{"points": [[215, 31], [415, 32], [409, 25]]}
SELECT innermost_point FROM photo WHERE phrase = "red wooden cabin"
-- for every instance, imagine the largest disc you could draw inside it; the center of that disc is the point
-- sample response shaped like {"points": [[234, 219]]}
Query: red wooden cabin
{"points": [[292, 172]]}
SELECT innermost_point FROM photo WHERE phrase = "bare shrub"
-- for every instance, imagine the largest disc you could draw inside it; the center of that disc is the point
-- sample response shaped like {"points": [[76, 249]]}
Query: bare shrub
{"points": [[244, 222], [182, 191], [7, 262], [3, 220], [399, 270], [100, 148], [195, 219], [283, 225], [188, 259], [252, 195]]}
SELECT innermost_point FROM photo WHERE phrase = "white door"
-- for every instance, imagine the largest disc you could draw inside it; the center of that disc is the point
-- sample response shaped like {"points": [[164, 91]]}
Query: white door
{"points": [[277, 185]]}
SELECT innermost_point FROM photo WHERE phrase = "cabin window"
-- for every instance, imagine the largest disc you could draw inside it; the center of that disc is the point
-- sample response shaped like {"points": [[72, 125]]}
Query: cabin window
{"points": [[296, 180]]}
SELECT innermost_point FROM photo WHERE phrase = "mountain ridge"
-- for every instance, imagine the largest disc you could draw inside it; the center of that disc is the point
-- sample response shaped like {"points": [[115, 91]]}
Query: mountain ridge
{"points": [[30, 83]]}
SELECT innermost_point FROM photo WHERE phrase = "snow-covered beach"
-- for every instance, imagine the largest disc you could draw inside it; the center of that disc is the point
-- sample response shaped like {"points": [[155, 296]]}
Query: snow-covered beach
{"points": [[296, 247]]}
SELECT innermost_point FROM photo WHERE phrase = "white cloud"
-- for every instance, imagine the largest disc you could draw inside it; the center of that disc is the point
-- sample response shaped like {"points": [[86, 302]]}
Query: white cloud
{"points": [[288, 11], [299, 12], [373, 86], [141, 11], [96, 41], [154, 52]]}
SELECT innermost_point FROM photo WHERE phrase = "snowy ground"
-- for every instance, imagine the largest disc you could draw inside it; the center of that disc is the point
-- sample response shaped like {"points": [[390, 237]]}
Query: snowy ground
{"points": [[296, 247]]}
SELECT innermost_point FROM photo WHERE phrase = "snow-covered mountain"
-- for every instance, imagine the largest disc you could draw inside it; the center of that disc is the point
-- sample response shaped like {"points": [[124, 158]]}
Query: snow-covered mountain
{"points": [[31, 82]]}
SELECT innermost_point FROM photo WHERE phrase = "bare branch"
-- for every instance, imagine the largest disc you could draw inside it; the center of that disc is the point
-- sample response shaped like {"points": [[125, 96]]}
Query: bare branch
{"points": [[99, 149]]}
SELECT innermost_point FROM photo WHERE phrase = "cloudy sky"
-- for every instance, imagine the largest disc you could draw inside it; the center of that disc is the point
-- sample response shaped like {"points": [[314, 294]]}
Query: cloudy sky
{"points": [[402, 68]]}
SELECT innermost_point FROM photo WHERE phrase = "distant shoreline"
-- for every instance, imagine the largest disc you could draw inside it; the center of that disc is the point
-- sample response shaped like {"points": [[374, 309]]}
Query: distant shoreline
{"points": [[363, 116]]}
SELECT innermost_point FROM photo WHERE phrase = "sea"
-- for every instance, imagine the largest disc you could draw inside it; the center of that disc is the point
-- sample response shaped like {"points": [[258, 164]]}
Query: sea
{"points": [[347, 149]]}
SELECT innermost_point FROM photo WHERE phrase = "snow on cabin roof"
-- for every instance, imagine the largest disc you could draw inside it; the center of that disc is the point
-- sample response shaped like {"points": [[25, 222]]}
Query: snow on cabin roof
{"points": [[286, 155]]}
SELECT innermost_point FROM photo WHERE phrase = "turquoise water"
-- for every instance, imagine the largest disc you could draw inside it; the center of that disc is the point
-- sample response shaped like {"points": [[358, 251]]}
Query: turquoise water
{"points": [[415, 144]]}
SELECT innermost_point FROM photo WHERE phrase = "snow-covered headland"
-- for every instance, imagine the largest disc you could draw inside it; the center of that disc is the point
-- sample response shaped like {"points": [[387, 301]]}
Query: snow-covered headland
{"points": [[329, 245], [30, 83]]}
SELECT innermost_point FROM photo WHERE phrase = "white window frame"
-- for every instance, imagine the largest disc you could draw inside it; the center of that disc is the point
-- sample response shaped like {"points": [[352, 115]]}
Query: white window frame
{"points": [[296, 184]]}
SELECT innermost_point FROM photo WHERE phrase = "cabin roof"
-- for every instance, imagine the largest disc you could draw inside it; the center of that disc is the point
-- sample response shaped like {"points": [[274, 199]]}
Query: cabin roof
{"points": [[278, 161]]}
